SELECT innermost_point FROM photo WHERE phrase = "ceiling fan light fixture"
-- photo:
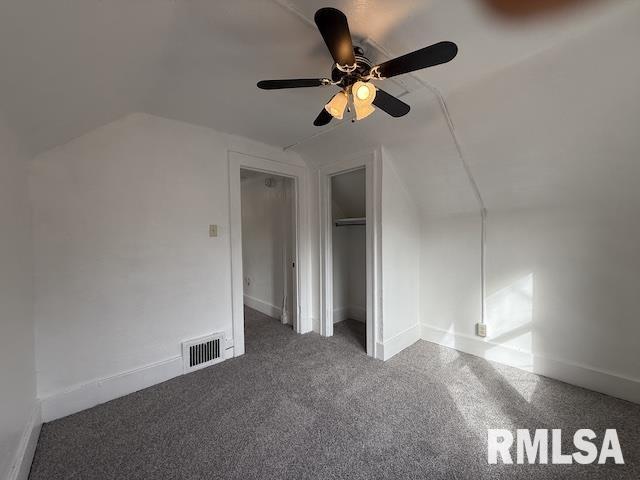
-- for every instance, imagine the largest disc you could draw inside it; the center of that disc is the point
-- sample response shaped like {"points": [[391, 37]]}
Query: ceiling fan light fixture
{"points": [[363, 110], [337, 105], [353, 72], [363, 92]]}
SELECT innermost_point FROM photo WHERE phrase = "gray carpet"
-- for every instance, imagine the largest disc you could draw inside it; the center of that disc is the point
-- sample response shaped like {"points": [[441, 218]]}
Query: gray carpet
{"points": [[297, 407]]}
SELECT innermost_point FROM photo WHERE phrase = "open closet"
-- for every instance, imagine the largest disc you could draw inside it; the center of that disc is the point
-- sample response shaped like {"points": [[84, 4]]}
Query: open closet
{"points": [[348, 206]]}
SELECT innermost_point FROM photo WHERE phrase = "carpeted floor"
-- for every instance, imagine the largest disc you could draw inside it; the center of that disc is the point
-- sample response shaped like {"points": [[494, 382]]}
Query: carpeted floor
{"points": [[298, 407]]}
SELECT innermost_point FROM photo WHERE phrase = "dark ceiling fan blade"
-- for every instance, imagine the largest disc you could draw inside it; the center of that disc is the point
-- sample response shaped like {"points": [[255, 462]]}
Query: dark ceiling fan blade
{"points": [[436, 54], [334, 29], [323, 118], [390, 104], [291, 83]]}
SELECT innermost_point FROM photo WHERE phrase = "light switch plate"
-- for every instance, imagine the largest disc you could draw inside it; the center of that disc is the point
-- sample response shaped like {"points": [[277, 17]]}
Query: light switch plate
{"points": [[213, 230]]}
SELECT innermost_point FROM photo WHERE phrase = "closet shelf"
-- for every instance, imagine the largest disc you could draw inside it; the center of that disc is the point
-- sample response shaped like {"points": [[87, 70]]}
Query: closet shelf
{"points": [[347, 222]]}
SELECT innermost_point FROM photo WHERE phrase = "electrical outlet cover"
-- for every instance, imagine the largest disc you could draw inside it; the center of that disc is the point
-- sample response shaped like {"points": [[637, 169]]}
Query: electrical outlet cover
{"points": [[481, 329]]}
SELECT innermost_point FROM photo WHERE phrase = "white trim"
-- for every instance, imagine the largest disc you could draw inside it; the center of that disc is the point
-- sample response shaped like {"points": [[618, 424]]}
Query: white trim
{"points": [[27, 447], [262, 306], [299, 174], [92, 393], [398, 342], [372, 164], [584, 376], [100, 390], [374, 304]]}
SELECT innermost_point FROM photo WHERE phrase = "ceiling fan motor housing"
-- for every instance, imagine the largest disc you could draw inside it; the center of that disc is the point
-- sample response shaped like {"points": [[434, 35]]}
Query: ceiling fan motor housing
{"points": [[363, 66]]}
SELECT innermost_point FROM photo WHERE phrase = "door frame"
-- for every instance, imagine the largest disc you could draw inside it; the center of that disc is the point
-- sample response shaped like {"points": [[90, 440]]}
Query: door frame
{"points": [[373, 171], [302, 254]]}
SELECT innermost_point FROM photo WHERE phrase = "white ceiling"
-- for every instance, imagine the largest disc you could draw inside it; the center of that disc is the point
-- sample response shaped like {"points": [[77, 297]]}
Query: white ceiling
{"points": [[72, 65], [560, 128]]}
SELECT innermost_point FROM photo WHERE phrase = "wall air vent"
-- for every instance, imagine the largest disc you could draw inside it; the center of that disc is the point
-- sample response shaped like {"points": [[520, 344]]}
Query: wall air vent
{"points": [[202, 352]]}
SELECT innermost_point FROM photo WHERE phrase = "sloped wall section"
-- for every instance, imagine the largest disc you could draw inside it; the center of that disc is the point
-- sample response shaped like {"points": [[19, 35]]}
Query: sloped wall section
{"points": [[553, 145]]}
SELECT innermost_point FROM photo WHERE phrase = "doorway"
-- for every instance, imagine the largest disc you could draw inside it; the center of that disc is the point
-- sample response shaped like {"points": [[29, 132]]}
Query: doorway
{"points": [[302, 282], [367, 166], [268, 249], [349, 245]]}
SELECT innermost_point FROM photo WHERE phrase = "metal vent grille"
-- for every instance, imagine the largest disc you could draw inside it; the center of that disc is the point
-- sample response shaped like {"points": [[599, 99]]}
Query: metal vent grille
{"points": [[202, 352]]}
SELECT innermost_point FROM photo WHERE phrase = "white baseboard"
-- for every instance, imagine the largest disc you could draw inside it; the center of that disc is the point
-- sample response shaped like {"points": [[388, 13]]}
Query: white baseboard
{"points": [[101, 390], [397, 343], [575, 374], [27, 447], [478, 347], [350, 311], [95, 392], [262, 306]]}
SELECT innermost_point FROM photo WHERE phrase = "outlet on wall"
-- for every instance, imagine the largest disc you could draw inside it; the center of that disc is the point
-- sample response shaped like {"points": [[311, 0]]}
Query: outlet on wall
{"points": [[213, 230], [481, 329]]}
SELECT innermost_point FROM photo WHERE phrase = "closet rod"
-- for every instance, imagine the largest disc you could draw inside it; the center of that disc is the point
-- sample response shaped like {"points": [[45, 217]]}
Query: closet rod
{"points": [[346, 222]]}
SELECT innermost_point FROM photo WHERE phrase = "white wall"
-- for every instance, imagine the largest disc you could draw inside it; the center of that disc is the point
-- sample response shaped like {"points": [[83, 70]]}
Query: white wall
{"points": [[400, 262], [582, 298], [561, 293], [124, 267], [19, 410], [267, 239], [449, 265], [357, 265], [558, 169], [340, 243]]}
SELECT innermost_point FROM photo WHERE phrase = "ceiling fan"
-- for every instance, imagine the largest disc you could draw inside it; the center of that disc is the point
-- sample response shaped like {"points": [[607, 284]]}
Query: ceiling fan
{"points": [[353, 72]]}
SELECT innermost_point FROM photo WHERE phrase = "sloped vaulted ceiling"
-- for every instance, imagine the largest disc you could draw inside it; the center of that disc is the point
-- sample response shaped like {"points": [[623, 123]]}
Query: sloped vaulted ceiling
{"points": [[73, 65], [557, 128]]}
